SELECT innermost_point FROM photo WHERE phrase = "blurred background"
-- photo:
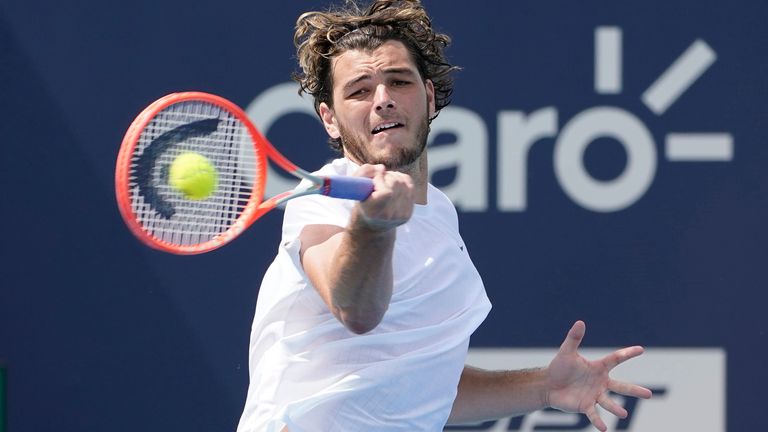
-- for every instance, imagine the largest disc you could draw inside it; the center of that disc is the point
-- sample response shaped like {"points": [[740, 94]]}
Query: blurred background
{"points": [[608, 160]]}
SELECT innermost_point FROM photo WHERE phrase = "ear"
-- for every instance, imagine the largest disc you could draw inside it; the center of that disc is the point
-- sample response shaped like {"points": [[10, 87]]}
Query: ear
{"points": [[329, 121], [430, 97]]}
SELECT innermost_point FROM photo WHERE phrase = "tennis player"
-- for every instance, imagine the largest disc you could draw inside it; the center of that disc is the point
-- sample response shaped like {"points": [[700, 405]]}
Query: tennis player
{"points": [[363, 320]]}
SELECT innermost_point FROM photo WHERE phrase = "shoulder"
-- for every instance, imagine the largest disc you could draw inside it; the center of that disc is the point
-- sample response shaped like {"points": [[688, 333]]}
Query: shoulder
{"points": [[340, 166]]}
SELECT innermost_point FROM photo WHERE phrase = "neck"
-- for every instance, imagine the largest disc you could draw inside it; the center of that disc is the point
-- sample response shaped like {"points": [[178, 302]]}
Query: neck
{"points": [[419, 173], [421, 181]]}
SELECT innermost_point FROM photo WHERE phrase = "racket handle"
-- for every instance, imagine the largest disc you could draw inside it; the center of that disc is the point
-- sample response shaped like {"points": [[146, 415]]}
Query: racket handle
{"points": [[354, 188]]}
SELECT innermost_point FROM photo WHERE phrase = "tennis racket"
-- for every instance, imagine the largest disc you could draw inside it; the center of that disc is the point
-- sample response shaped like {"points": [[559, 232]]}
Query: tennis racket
{"points": [[163, 217]]}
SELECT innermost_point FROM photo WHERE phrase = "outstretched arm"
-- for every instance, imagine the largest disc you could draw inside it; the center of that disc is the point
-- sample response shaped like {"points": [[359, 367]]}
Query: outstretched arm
{"points": [[351, 267], [570, 383]]}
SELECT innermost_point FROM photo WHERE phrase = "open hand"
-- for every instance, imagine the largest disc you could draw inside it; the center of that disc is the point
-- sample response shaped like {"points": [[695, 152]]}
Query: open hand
{"points": [[579, 385]]}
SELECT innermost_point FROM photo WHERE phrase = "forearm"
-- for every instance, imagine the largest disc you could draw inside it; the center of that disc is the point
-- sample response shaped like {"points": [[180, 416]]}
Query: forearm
{"points": [[360, 277], [484, 395], [351, 268], [352, 272]]}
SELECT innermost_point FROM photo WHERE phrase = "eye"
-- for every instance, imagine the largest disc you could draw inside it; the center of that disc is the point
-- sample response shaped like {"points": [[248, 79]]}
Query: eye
{"points": [[358, 93]]}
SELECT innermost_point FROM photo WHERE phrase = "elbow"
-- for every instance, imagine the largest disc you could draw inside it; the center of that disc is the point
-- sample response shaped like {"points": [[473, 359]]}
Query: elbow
{"points": [[360, 322], [363, 311], [360, 327]]}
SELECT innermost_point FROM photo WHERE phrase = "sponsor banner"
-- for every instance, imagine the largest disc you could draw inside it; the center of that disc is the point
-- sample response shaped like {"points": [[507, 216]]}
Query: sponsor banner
{"points": [[688, 387], [646, 149]]}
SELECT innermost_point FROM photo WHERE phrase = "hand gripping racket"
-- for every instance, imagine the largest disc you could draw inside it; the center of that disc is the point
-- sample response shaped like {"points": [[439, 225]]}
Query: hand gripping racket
{"points": [[163, 217]]}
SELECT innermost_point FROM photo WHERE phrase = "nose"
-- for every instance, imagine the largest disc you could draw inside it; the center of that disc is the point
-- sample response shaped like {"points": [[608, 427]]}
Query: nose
{"points": [[383, 99]]}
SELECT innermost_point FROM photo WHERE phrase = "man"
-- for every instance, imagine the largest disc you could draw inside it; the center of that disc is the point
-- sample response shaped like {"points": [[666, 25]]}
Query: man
{"points": [[363, 319]]}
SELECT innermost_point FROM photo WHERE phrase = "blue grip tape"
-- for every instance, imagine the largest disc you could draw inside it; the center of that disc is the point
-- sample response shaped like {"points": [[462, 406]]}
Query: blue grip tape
{"points": [[354, 188]]}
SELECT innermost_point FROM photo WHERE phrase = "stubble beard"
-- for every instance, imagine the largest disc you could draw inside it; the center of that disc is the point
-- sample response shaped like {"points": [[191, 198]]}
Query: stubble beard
{"points": [[401, 160]]}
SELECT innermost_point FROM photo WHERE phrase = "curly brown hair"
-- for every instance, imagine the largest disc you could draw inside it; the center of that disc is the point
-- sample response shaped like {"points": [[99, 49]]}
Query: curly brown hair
{"points": [[321, 36]]}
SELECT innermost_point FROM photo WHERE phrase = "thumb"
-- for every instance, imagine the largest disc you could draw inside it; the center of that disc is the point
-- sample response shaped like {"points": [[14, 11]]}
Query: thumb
{"points": [[574, 337]]}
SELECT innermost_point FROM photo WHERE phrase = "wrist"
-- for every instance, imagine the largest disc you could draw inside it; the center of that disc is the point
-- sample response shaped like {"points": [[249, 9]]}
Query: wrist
{"points": [[534, 383], [540, 386], [545, 390], [360, 222]]}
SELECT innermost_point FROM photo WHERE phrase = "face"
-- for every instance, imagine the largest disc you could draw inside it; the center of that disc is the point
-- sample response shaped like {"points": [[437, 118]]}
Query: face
{"points": [[381, 106]]}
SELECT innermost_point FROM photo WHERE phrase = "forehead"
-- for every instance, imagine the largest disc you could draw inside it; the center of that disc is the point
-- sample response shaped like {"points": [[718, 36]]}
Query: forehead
{"points": [[355, 62]]}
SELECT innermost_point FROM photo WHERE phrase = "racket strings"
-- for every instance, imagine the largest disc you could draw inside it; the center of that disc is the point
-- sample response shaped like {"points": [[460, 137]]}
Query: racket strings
{"points": [[229, 148]]}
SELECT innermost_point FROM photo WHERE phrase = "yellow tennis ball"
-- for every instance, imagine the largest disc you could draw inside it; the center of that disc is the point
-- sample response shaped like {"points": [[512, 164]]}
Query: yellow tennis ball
{"points": [[193, 175]]}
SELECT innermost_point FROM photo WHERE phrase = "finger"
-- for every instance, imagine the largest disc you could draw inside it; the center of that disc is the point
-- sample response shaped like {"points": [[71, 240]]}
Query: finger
{"points": [[370, 171], [620, 356], [628, 389], [595, 419], [397, 188], [611, 405], [391, 203], [574, 337], [398, 178]]}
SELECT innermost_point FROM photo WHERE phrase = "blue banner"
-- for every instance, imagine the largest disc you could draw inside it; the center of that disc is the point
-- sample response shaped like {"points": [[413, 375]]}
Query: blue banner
{"points": [[608, 161]]}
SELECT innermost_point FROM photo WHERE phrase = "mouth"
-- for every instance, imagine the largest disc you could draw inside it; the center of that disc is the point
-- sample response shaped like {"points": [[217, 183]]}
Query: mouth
{"points": [[386, 126]]}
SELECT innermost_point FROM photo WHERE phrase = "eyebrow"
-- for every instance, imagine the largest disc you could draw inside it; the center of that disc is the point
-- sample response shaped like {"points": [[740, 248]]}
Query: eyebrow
{"points": [[387, 71]]}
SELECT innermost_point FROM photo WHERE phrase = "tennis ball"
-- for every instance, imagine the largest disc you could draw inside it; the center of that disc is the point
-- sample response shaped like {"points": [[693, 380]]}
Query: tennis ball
{"points": [[193, 175]]}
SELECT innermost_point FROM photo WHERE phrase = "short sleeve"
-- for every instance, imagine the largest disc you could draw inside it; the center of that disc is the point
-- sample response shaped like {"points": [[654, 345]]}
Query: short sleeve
{"points": [[314, 210], [319, 209]]}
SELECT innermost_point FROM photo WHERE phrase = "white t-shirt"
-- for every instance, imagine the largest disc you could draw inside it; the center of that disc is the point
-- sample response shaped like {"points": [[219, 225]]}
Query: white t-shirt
{"points": [[307, 371]]}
